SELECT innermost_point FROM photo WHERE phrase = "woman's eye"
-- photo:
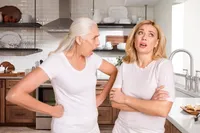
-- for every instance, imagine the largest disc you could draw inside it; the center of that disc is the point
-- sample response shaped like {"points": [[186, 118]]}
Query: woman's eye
{"points": [[151, 35], [140, 32]]}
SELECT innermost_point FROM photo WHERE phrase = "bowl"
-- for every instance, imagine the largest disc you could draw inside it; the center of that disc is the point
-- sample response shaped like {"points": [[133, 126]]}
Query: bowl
{"points": [[109, 20], [121, 46]]}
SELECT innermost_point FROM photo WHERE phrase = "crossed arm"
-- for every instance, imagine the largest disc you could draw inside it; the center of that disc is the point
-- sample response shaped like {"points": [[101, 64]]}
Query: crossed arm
{"points": [[156, 106]]}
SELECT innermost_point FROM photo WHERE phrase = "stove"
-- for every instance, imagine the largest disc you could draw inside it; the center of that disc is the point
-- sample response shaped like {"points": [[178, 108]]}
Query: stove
{"points": [[45, 94]]}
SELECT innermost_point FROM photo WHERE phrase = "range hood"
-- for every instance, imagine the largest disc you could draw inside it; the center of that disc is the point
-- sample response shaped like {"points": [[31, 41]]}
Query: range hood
{"points": [[64, 21]]}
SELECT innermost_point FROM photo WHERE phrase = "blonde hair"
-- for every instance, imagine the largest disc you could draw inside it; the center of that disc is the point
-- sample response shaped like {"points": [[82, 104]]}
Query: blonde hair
{"points": [[158, 52], [80, 27]]}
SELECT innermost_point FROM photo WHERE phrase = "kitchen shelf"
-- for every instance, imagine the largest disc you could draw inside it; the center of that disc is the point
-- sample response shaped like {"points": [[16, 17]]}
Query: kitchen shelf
{"points": [[110, 53], [113, 50], [18, 51], [113, 25], [28, 25]]}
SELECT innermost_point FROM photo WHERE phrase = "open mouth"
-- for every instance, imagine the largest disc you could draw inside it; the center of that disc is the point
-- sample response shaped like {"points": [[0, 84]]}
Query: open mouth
{"points": [[143, 45]]}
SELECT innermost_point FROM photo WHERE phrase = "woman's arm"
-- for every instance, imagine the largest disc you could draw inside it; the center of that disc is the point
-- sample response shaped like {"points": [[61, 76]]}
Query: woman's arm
{"points": [[110, 70], [123, 107], [158, 95], [19, 94], [150, 107]]}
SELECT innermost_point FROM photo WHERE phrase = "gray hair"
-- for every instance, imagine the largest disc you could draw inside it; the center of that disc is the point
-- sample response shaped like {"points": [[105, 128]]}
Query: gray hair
{"points": [[80, 27]]}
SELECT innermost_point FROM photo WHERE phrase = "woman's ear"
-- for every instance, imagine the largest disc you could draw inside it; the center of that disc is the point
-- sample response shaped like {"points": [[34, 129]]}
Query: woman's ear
{"points": [[78, 40]]}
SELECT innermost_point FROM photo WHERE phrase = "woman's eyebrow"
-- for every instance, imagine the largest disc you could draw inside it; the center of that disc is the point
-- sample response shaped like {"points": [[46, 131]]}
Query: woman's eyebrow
{"points": [[152, 32]]}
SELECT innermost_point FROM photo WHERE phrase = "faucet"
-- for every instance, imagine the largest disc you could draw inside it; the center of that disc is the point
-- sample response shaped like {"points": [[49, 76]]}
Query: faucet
{"points": [[191, 64], [197, 81]]}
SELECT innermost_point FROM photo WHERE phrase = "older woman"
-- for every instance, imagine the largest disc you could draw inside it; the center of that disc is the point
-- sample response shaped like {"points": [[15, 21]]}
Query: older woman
{"points": [[144, 68], [72, 70]]}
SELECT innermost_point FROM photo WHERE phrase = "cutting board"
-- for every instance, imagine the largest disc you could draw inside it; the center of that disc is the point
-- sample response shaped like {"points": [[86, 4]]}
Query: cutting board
{"points": [[19, 74], [190, 111]]}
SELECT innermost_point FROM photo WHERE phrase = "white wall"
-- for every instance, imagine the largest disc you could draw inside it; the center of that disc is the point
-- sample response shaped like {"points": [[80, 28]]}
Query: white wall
{"points": [[191, 31], [48, 10], [163, 17]]}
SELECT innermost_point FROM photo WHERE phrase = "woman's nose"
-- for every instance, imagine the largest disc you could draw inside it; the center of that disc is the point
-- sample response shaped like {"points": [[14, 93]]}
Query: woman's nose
{"points": [[144, 37], [97, 42]]}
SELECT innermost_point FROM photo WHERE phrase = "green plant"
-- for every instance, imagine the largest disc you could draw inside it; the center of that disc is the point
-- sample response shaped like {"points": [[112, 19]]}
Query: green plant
{"points": [[119, 61]]}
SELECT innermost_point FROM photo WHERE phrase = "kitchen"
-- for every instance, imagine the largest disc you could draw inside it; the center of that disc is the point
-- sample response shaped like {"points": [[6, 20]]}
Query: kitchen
{"points": [[48, 41]]}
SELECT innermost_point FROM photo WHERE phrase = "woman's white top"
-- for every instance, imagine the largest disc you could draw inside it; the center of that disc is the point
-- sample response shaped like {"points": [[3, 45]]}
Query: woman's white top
{"points": [[141, 83], [76, 91]]}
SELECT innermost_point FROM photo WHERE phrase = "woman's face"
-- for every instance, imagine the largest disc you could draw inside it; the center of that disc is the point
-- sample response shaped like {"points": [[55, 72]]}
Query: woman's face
{"points": [[90, 42], [146, 39]]}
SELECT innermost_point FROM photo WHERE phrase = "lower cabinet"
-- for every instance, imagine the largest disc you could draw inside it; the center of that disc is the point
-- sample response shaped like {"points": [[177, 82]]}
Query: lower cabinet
{"points": [[2, 101], [11, 114], [105, 115], [170, 128], [16, 114]]}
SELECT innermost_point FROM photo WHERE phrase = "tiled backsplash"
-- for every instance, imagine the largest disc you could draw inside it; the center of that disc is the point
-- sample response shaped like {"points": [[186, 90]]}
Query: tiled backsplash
{"points": [[48, 10]]}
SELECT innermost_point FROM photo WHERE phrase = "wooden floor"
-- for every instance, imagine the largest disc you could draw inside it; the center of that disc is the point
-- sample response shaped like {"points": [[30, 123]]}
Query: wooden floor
{"points": [[104, 129]]}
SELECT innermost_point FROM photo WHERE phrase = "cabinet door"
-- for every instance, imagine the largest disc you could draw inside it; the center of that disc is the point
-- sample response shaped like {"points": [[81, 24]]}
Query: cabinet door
{"points": [[115, 114], [11, 83], [16, 114], [175, 130], [2, 101], [105, 115], [168, 127]]}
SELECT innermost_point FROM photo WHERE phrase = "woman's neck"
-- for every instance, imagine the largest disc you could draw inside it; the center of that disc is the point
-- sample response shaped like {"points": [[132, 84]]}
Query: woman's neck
{"points": [[74, 53], [144, 60]]}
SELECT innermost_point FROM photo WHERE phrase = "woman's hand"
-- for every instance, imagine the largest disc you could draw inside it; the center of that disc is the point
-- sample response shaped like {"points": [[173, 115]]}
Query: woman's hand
{"points": [[116, 95], [58, 111], [160, 94]]}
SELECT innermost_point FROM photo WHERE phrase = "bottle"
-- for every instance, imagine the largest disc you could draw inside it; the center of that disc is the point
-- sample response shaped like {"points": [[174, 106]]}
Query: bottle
{"points": [[97, 16], [1, 17]]}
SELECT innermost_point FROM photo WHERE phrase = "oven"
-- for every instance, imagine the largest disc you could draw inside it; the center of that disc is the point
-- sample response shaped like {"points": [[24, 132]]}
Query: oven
{"points": [[45, 94]]}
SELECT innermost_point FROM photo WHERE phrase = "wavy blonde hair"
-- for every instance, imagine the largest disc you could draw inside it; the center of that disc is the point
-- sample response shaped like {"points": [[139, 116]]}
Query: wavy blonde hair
{"points": [[158, 52]]}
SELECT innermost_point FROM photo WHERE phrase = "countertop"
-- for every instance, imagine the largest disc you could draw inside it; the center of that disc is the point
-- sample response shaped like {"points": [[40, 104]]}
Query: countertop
{"points": [[182, 120], [9, 77]]}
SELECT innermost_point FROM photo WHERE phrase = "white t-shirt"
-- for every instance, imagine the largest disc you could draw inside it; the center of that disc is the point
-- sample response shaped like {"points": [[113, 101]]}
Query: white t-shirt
{"points": [[141, 83], [76, 91]]}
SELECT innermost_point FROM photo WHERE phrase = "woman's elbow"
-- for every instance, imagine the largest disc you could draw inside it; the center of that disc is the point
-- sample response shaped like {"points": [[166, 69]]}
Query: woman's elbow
{"points": [[11, 97], [164, 112]]}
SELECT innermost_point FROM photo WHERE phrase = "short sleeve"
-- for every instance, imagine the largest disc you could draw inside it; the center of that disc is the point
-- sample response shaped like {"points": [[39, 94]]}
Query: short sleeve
{"points": [[97, 60], [119, 79], [166, 78], [50, 66]]}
